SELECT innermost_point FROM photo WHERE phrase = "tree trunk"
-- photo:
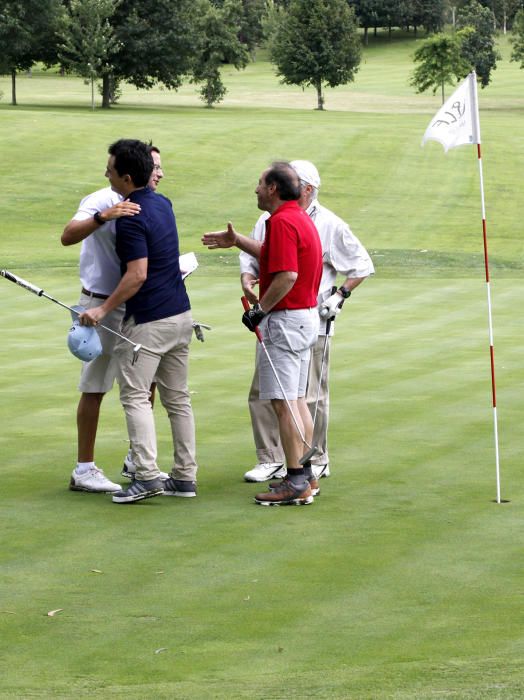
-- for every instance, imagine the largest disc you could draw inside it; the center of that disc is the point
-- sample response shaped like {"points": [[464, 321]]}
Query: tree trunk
{"points": [[366, 40], [106, 91], [320, 96], [442, 87], [13, 87]]}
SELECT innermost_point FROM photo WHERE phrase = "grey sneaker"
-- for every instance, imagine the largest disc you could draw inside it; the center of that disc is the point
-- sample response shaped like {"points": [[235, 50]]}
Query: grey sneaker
{"points": [[138, 491], [177, 487], [286, 494], [313, 482]]}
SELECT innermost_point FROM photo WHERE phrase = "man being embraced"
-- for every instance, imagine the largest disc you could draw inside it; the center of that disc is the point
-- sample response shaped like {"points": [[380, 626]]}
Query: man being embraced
{"points": [[158, 317]]}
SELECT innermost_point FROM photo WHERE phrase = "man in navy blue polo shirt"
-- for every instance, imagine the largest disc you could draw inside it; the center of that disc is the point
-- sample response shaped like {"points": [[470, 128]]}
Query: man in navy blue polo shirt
{"points": [[157, 317]]}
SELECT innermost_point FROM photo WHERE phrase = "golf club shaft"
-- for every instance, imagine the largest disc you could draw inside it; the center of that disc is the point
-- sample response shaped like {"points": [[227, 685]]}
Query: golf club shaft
{"points": [[40, 293], [326, 340], [245, 304]]}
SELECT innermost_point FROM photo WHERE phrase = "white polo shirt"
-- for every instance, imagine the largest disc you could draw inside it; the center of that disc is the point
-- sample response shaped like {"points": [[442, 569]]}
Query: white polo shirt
{"points": [[342, 252], [99, 263]]}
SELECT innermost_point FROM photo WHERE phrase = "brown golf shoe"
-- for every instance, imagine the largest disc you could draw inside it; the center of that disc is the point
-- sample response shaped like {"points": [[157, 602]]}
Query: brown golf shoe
{"points": [[313, 482], [285, 494]]}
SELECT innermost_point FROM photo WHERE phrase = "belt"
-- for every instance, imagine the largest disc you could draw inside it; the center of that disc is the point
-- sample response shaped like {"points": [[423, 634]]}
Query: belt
{"points": [[95, 295]]}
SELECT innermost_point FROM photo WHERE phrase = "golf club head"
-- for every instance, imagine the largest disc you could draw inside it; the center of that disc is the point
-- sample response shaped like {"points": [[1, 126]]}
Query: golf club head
{"points": [[307, 455], [136, 350]]}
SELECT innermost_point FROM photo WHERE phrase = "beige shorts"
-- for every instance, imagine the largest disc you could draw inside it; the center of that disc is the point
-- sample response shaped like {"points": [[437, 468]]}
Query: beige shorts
{"points": [[288, 336], [98, 376]]}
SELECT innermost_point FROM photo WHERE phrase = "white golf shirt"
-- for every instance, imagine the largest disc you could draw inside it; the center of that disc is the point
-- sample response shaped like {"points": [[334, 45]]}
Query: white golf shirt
{"points": [[342, 252], [99, 263]]}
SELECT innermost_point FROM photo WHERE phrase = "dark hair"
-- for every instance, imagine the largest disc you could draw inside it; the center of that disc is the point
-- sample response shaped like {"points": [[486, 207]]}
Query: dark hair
{"points": [[153, 149], [286, 180], [133, 158]]}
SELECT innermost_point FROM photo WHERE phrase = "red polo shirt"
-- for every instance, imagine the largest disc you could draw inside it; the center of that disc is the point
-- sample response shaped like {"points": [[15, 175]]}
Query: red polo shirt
{"points": [[292, 244]]}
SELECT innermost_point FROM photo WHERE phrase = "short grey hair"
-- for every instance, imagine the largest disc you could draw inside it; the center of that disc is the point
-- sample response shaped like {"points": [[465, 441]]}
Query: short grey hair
{"points": [[314, 190]]}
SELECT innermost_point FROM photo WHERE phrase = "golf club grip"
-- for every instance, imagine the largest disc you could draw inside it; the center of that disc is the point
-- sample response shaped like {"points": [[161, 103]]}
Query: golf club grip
{"points": [[245, 304], [330, 319], [23, 283]]}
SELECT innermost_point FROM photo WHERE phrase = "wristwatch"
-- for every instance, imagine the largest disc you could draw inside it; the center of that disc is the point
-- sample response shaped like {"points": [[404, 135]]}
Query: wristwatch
{"points": [[346, 293], [98, 218]]}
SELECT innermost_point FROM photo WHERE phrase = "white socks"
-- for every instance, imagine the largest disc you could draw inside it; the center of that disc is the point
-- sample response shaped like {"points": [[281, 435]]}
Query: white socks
{"points": [[83, 467]]}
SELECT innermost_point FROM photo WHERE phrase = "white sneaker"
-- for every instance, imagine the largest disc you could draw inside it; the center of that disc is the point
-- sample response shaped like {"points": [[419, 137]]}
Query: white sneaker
{"points": [[129, 468], [264, 471], [92, 480], [321, 471]]}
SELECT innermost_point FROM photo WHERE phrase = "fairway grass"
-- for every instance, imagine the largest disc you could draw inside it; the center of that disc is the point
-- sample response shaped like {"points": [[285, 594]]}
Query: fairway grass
{"points": [[407, 573], [403, 581]]}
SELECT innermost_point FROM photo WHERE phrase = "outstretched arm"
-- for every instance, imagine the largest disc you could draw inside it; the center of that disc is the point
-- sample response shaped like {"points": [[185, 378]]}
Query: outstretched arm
{"points": [[230, 238]]}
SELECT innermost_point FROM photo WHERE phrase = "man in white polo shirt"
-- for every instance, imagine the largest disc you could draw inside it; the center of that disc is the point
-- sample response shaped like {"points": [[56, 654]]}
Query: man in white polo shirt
{"points": [[94, 226]]}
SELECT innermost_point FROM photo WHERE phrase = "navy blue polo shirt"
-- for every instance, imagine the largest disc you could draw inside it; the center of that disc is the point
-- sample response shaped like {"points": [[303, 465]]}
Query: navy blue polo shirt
{"points": [[152, 234]]}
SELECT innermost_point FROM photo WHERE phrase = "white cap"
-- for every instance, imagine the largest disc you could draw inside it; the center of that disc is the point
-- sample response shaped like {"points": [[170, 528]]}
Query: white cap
{"points": [[306, 171]]}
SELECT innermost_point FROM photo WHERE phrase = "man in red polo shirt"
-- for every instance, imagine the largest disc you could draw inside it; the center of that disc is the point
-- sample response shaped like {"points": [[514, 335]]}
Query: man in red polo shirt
{"points": [[290, 271]]}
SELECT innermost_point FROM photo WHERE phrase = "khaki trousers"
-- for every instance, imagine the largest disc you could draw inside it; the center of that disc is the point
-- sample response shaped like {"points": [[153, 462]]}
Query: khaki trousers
{"points": [[167, 364], [264, 421]]}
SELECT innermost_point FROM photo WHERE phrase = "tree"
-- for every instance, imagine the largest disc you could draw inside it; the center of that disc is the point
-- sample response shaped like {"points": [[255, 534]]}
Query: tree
{"points": [[426, 13], [504, 11], [157, 41], [26, 35], [87, 38], [218, 44], [143, 42], [250, 30], [478, 48], [517, 39], [441, 62], [368, 14], [251, 33], [316, 44]]}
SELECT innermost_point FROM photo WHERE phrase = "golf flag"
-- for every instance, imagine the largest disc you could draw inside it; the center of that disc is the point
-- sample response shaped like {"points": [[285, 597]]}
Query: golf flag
{"points": [[457, 121]]}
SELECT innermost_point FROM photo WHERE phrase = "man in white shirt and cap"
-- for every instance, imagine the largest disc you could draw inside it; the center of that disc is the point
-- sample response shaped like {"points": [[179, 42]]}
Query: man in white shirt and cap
{"points": [[342, 253]]}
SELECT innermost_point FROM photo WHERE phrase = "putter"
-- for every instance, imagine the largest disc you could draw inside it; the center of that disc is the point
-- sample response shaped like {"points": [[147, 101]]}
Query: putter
{"points": [[40, 293], [311, 450]]}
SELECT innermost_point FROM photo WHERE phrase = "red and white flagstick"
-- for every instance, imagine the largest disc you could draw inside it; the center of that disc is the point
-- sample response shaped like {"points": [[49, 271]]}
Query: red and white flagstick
{"points": [[473, 85]]}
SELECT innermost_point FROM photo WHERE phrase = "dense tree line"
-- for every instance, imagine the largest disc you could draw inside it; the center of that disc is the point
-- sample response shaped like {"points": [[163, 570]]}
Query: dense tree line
{"points": [[143, 42], [311, 42], [428, 15]]}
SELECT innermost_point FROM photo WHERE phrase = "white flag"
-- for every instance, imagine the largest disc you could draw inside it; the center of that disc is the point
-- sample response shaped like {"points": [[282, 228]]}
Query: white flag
{"points": [[457, 122]]}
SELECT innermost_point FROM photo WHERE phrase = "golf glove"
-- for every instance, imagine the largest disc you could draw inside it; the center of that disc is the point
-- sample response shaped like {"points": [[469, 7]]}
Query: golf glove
{"points": [[199, 333], [252, 317], [331, 307]]}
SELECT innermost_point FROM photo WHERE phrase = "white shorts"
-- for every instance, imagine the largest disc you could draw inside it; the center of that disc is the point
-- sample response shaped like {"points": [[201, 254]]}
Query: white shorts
{"points": [[98, 376], [288, 336]]}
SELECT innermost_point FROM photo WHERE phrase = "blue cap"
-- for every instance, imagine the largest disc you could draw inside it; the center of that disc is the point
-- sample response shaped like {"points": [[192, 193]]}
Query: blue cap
{"points": [[84, 342]]}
